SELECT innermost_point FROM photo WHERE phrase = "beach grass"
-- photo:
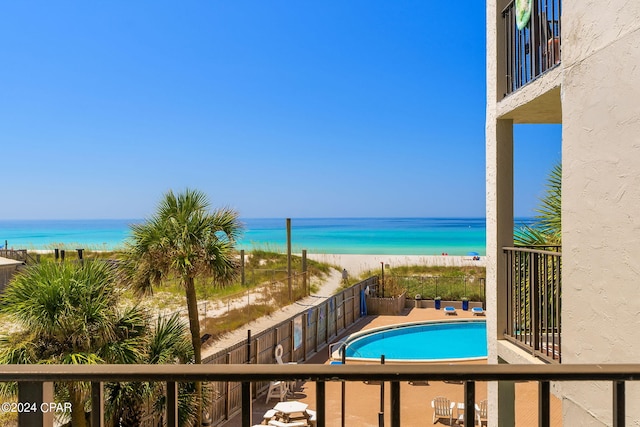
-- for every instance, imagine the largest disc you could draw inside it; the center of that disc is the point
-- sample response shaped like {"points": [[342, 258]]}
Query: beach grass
{"points": [[265, 280], [235, 318], [429, 282], [73, 247]]}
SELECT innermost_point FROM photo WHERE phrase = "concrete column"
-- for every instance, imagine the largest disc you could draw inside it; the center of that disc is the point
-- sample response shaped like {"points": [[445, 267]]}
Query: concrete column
{"points": [[499, 234]]}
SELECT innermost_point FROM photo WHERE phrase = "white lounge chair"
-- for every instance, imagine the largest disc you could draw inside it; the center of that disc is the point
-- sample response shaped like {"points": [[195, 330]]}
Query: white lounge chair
{"points": [[477, 311], [450, 310], [442, 408]]}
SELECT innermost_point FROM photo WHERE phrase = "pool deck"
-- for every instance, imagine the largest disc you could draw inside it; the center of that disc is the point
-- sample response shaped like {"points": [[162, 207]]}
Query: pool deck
{"points": [[363, 400]]}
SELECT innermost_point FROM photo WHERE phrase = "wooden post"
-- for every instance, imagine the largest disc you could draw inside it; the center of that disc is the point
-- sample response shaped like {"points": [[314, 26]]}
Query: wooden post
{"points": [[227, 403], [249, 346], [289, 258], [242, 281], [317, 327], [305, 280], [382, 267], [305, 320]]}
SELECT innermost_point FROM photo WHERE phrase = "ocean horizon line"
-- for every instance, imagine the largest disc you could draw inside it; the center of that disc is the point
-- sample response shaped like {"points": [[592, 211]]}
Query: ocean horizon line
{"points": [[255, 217], [332, 235]]}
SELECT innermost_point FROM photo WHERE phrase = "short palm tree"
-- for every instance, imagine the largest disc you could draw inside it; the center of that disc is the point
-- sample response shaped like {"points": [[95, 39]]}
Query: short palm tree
{"points": [[168, 343], [547, 227], [184, 239], [68, 314]]}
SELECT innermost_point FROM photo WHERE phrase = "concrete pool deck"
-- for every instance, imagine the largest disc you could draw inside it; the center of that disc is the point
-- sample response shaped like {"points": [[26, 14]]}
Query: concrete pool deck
{"points": [[363, 400]]}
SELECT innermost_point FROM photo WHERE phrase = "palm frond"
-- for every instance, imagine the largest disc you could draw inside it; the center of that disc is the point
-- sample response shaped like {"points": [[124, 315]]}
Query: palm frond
{"points": [[547, 226], [170, 341]]}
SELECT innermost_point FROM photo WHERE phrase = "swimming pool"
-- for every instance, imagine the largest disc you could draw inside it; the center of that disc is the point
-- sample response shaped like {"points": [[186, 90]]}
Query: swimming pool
{"points": [[433, 341]]}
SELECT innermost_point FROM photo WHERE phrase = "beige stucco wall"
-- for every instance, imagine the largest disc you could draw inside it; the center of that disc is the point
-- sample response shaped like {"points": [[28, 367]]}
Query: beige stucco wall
{"points": [[601, 199], [599, 90], [499, 176]]}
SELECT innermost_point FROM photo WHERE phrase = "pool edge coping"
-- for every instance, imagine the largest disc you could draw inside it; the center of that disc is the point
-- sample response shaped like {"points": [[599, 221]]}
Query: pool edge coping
{"points": [[335, 355]]}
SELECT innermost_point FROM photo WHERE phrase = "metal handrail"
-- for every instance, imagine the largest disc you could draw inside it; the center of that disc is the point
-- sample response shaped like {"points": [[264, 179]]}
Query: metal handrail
{"points": [[28, 375], [534, 49], [534, 289], [532, 250], [317, 372]]}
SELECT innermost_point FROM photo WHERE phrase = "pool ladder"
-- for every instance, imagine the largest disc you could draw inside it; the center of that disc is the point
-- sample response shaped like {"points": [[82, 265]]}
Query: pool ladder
{"points": [[336, 348]]}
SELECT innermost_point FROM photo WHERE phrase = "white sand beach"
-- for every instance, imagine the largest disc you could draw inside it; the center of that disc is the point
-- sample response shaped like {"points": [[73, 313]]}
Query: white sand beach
{"points": [[356, 264]]}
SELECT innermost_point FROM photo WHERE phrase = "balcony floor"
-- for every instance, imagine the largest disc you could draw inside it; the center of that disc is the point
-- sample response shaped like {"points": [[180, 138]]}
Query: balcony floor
{"points": [[363, 401]]}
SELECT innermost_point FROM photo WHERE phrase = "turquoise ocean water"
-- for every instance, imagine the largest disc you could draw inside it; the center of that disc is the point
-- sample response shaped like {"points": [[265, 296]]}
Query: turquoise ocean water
{"points": [[402, 236]]}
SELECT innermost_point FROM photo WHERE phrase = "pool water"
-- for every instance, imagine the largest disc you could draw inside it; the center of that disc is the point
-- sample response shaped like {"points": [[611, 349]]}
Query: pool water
{"points": [[433, 341]]}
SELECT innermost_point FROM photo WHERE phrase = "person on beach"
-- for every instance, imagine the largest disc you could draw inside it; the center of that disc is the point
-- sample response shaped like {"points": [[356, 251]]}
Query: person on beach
{"points": [[345, 275]]}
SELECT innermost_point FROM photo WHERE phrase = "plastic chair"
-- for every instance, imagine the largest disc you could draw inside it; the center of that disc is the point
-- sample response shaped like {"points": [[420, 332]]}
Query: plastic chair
{"points": [[442, 408]]}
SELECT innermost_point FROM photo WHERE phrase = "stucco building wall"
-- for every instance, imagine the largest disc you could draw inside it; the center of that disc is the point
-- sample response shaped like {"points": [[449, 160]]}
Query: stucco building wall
{"points": [[601, 198], [595, 94]]}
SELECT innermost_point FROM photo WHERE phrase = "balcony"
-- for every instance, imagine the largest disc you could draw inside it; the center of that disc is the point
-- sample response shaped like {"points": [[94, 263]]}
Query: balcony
{"points": [[533, 300], [34, 382], [536, 47]]}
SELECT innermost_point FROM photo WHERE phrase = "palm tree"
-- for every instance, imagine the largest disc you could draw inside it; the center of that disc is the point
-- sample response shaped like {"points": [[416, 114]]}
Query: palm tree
{"points": [[547, 227], [184, 239], [69, 314], [169, 343]]}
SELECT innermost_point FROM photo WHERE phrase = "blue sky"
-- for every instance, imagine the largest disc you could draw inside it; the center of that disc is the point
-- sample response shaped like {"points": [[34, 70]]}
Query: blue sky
{"points": [[276, 108]]}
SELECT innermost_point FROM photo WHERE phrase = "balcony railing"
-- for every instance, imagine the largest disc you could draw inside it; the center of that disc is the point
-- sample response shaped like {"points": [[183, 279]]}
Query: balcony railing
{"points": [[533, 300], [35, 380], [536, 47]]}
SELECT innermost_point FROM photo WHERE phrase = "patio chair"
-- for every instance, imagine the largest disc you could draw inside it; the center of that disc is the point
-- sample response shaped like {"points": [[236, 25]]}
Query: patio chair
{"points": [[482, 411], [460, 414], [278, 355], [450, 310], [442, 408], [477, 311], [278, 389]]}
